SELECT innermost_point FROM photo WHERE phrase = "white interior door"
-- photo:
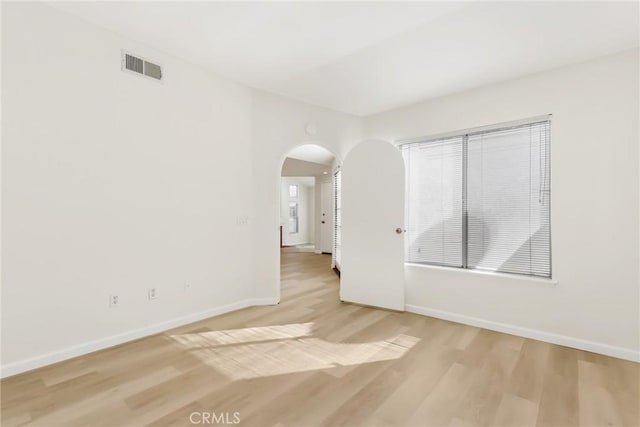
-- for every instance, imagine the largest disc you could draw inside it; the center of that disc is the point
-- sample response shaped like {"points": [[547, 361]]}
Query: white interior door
{"points": [[372, 264], [326, 218]]}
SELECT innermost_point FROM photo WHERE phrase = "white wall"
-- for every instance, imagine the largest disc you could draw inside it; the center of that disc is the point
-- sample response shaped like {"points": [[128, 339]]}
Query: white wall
{"points": [[277, 127], [113, 184], [594, 207], [306, 211]]}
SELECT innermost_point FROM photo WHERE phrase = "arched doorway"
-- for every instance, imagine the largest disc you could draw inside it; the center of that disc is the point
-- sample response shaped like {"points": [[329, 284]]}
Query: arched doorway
{"points": [[308, 221]]}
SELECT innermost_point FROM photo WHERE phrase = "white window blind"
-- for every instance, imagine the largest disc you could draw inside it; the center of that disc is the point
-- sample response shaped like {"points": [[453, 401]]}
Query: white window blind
{"points": [[337, 232], [509, 200], [482, 200], [434, 202]]}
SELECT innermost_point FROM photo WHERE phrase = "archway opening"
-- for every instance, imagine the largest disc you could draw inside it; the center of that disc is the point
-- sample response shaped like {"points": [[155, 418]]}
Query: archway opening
{"points": [[309, 221]]}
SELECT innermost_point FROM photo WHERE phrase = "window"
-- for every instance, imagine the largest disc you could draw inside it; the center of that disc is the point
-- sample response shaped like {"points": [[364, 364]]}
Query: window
{"points": [[293, 190], [481, 200], [293, 217]]}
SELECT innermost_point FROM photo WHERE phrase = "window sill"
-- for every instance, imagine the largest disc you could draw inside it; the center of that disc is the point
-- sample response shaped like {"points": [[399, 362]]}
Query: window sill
{"points": [[527, 279]]}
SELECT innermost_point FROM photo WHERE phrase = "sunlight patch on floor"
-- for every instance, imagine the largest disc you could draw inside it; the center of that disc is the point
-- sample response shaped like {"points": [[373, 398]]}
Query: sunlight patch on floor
{"points": [[244, 335], [283, 349]]}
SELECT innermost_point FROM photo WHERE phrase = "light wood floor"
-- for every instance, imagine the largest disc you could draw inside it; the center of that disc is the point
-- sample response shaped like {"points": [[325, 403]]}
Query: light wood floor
{"points": [[314, 361]]}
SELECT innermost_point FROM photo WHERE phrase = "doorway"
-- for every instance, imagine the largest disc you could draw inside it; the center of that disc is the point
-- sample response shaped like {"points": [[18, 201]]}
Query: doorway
{"points": [[307, 218], [367, 242], [326, 218], [297, 213]]}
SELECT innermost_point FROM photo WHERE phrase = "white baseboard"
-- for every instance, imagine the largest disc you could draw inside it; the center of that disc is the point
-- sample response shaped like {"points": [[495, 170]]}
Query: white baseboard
{"points": [[594, 347], [263, 301], [102, 343]]}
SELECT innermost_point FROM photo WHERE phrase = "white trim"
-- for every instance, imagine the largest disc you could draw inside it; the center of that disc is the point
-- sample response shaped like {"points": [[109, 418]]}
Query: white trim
{"points": [[592, 346], [521, 277], [478, 129], [262, 301], [102, 343]]}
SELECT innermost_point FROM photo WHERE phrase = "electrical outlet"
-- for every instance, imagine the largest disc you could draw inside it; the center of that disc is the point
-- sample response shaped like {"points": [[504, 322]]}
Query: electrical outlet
{"points": [[152, 293], [114, 301]]}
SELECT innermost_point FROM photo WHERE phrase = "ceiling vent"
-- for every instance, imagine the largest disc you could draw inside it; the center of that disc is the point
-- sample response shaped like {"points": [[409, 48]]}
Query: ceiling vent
{"points": [[135, 64]]}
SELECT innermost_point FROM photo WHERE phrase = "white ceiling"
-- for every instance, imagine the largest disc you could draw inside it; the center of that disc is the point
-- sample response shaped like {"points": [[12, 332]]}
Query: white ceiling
{"points": [[296, 167], [367, 57], [312, 153]]}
